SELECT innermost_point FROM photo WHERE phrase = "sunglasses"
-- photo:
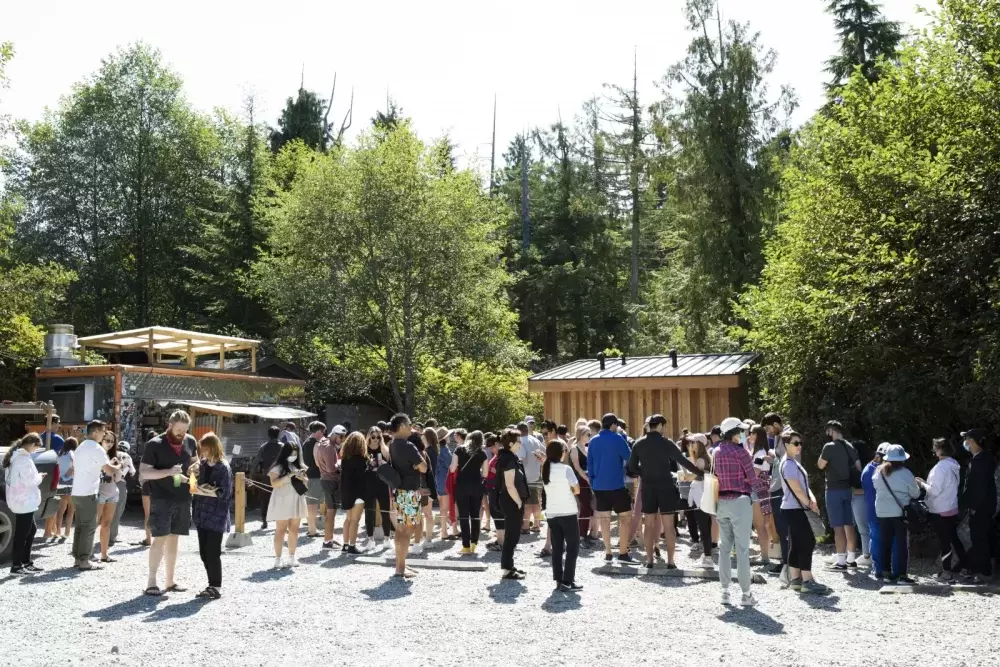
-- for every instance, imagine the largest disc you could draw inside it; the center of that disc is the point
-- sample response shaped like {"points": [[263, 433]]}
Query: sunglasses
{"points": [[797, 443]]}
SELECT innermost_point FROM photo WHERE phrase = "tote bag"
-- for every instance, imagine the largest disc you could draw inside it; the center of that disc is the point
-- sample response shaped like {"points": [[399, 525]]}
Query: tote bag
{"points": [[711, 493]]}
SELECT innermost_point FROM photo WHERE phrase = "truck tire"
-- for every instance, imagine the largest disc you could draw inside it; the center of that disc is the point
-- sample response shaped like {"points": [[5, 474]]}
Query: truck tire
{"points": [[6, 532]]}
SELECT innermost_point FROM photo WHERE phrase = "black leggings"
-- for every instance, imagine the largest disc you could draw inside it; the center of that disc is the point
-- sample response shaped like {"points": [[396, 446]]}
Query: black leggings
{"points": [[892, 533], [953, 556], [512, 516], [801, 540], [24, 535], [701, 528], [210, 548], [564, 531], [495, 512], [376, 491], [469, 502]]}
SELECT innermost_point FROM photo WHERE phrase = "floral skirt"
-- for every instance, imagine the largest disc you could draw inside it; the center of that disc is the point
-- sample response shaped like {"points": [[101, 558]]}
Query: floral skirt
{"points": [[407, 507]]}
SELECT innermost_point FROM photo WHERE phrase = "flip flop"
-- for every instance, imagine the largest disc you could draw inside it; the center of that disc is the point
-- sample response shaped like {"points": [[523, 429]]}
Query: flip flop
{"points": [[153, 590], [209, 593], [109, 560], [175, 589]]}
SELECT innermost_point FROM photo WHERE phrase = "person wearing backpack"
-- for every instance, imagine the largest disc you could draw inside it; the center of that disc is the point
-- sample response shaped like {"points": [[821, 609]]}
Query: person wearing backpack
{"points": [[839, 461]]}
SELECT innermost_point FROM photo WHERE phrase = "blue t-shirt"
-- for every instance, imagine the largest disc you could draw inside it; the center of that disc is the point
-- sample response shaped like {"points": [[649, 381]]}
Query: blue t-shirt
{"points": [[57, 441], [607, 455]]}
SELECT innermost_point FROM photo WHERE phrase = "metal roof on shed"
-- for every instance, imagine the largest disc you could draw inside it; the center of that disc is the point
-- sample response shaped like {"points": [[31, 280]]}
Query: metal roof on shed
{"points": [[688, 365]]}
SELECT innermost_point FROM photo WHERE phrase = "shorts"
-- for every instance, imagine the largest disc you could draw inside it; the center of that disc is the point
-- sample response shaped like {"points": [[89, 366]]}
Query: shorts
{"points": [[145, 489], [407, 507], [169, 517], [839, 507], [314, 491], [425, 500], [660, 498], [330, 489], [108, 500], [617, 501], [534, 494]]}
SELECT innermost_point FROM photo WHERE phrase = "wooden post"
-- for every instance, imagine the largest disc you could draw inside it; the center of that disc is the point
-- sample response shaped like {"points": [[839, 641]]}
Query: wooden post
{"points": [[190, 355], [48, 426], [222, 357], [253, 358], [150, 351], [241, 501]]}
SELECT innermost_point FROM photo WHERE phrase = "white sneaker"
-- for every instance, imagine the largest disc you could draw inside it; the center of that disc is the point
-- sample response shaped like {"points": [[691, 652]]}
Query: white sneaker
{"points": [[725, 597], [427, 541], [416, 549], [706, 561], [293, 562], [748, 600], [390, 552], [277, 563], [865, 561]]}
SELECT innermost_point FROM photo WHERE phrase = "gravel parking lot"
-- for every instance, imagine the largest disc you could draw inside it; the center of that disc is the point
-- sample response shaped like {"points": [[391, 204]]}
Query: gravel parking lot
{"points": [[333, 610]]}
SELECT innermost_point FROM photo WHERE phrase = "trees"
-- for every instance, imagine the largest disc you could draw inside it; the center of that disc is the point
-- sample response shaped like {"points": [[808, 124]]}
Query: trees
{"points": [[865, 36], [718, 125], [397, 259], [304, 119], [878, 302]]}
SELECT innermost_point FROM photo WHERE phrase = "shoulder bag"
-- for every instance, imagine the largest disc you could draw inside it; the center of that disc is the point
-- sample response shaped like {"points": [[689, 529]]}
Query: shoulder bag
{"points": [[853, 474], [388, 474], [299, 485], [914, 513], [815, 520]]}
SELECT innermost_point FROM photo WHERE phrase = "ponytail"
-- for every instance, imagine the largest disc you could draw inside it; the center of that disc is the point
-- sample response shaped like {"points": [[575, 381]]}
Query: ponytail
{"points": [[553, 454], [10, 452], [30, 439]]}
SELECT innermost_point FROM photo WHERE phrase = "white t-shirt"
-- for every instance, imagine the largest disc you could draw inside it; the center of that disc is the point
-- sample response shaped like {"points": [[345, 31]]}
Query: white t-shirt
{"points": [[559, 497], [89, 458]]}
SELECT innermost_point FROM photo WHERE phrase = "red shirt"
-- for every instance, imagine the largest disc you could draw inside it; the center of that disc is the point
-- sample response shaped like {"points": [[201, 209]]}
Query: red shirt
{"points": [[734, 468]]}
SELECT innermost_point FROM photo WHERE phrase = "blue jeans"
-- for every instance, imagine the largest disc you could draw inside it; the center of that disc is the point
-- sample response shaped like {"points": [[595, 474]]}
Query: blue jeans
{"points": [[861, 520], [875, 548]]}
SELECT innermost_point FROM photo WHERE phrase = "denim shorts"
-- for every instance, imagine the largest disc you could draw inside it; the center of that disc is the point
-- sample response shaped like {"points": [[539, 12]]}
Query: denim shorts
{"points": [[839, 508]]}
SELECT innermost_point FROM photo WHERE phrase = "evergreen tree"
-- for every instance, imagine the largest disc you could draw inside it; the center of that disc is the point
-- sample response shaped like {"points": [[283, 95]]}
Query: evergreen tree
{"points": [[865, 36], [302, 118]]}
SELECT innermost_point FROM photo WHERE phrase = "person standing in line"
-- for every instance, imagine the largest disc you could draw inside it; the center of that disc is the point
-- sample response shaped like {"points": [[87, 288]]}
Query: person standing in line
{"points": [[144, 488], [874, 532], [441, 470], [561, 489], [326, 458], [578, 461], [51, 439], [90, 461], [409, 465], [287, 505], [895, 488], [837, 460], [859, 507], [774, 427], [66, 511], [353, 488], [493, 491], [262, 462], [471, 466], [798, 498], [425, 527], [760, 452], [107, 496], [489, 447], [607, 456], [128, 470], [698, 453], [651, 459], [531, 453], [513, 492], [211, 510], [376, 490], [21, 480], [166, 463], [941, 488], [314, 485], [980, 497], [290, 435], [735, 473]]}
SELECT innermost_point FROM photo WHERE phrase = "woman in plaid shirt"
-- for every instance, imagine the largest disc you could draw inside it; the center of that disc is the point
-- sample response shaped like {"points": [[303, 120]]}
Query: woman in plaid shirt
{"points": [[734, 469]]}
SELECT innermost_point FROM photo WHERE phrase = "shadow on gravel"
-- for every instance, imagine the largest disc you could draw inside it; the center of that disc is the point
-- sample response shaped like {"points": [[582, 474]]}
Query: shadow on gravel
{"points": [[316, 558], [343, 560], [182, 610], [506, 592], [269, 575], [392, 588], [52, 575], [823, 603], [128, 550], [559, 602], [754, 620], [116, 612]]}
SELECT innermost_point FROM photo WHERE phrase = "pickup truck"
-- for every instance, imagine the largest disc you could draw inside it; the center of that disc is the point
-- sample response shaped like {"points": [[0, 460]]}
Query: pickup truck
{"points": [[47, 461]]}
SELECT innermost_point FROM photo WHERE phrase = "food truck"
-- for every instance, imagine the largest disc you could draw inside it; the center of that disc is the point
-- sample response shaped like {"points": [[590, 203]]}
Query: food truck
{"points": [[150, 372]]}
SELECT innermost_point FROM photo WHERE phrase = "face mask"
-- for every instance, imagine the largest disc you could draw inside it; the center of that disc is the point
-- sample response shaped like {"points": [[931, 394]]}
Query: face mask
{"points": [[743, 438], [966, 445], [292, 458]]}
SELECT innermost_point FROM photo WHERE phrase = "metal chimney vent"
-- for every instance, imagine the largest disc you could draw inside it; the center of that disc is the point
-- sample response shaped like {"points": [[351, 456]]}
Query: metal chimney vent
{"points": [[60, 347]]}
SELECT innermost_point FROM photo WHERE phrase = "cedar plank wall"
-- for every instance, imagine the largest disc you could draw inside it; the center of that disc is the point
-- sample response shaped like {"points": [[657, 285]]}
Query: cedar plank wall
{"points": [[698, 409]]}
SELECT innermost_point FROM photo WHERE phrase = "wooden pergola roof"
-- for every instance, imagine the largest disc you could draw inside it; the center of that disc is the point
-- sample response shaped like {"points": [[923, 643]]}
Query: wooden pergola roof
{"points": [[166, 341]]}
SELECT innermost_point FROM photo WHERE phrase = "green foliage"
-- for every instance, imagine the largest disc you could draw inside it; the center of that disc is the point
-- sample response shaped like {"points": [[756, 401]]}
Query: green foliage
{"points": [[303, 119], [865, 38], [878, 304], [402, 256], [476, 396]]}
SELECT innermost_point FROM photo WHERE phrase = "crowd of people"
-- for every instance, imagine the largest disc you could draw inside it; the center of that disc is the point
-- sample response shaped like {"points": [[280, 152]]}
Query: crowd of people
{"points": [[739, 479]]}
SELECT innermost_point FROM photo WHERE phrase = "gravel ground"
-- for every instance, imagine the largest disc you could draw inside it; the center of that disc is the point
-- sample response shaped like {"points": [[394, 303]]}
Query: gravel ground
{"points": [[330, 609]]}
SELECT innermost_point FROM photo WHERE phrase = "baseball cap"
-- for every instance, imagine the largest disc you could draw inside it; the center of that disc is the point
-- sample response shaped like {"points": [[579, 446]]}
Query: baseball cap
{"points": [[699, 437], [124, 446], [339, 430], [896, 453], [609, 420], [529, 419], [883, 448], [731, 424], [977, 434]]}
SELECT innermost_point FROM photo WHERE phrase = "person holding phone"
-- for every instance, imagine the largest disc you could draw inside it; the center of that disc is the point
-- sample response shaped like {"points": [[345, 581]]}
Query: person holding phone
{"points": [[287, 506], [211, 509]]}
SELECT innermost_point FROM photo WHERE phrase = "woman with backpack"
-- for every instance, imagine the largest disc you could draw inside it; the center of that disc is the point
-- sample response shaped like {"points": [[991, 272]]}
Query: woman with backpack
{"points": [[895, 488], [21, 479]]}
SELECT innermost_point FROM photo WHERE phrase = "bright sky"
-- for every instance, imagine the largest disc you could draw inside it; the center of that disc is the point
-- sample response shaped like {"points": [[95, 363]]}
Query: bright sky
{"points": [[441, 60]]}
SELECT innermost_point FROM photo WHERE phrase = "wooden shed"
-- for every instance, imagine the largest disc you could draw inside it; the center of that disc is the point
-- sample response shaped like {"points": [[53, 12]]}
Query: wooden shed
{"points": [[695, 391]]}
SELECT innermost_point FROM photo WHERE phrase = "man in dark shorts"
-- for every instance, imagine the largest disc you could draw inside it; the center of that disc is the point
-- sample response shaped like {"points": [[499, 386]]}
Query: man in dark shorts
{"points": [[651, 457], [327, 458], [607, 455], [410, 465], [263, 462], [166, 463]]}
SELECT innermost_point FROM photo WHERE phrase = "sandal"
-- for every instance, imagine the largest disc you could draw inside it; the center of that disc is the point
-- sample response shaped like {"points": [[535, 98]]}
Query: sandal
{"points": [[513, 575], [210, 593], [109, 560], [175, 589], [153, 590]]}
